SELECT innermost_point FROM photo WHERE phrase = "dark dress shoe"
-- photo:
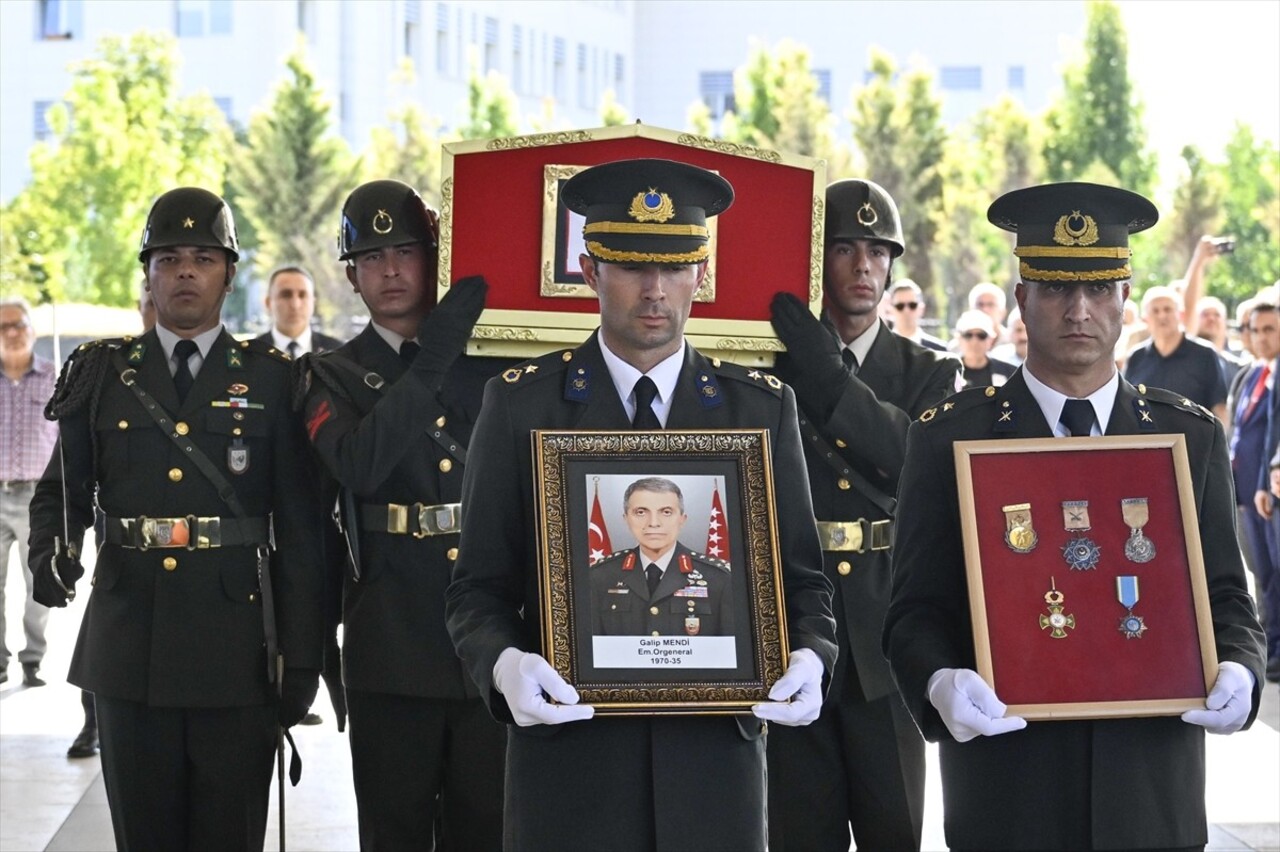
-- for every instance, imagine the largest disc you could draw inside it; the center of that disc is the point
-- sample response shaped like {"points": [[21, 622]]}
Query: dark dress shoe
{"points": [[86, 743], [311, 719], [31, 675]]}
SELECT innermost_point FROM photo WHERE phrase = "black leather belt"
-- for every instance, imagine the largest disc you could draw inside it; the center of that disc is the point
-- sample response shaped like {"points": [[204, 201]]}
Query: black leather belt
{"points": [[191, 532], [417, 519], [857, 536]]}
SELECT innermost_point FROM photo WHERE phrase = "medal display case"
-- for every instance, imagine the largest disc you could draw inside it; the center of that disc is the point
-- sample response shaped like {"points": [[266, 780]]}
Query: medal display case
{"points": [[501, 217], [1086, 577]]}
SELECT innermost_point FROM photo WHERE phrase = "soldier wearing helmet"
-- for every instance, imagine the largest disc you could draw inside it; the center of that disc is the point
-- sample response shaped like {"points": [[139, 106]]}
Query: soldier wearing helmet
{"points": [[858, 386], [390, 416], [206, 578]]}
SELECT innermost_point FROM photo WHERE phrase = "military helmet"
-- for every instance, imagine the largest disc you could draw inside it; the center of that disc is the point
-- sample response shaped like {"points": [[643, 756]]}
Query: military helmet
{"points": [[384, 213], [190, 216], [861, 210]]}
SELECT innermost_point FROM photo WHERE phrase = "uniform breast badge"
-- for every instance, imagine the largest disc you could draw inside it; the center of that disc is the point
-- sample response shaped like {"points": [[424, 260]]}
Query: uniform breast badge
{"points": [[1132, 626], [1138, 548], [1056, 621], [1080, 552], [1018, 532]]}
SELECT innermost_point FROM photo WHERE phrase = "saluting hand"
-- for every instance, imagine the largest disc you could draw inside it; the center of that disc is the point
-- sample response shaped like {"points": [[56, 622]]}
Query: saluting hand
{"points": [[819, 373], [443, 333]]}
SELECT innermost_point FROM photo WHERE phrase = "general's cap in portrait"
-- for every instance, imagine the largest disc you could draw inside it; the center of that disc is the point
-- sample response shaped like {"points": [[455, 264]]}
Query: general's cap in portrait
{"points": [[1073, 231], [647, 210]]}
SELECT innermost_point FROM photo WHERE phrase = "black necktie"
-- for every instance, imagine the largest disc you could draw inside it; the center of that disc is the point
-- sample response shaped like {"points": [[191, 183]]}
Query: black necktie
{"points": [[409, 350], [293, 350], [1077, 416], [654, 575], [850, 360], [645, 419], [182, 378]]}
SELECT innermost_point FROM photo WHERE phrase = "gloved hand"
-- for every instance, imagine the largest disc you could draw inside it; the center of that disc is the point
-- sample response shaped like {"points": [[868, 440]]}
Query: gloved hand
{"points": [[443, 333], [819, 375], [802, 683], [297, 693], [1228, 703], [968, 706], [46, 588], [523, 678]]}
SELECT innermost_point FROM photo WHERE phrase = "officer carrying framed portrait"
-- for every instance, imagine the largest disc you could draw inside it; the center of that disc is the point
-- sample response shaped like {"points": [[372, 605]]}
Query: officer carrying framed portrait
{"points": [[658, 568]]}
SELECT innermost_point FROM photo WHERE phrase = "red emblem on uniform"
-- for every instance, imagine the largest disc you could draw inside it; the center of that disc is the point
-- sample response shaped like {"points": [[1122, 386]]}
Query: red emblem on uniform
{"points": [[318, 417], [686, 564], [630, 562]]}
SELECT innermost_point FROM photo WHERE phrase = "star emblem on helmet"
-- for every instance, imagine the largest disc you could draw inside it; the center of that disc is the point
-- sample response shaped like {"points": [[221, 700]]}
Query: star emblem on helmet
{"points": [[188, 223]]}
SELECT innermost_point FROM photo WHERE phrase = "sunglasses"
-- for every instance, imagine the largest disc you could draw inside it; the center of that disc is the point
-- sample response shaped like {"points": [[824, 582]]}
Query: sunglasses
{"points": [[975, 335], [906, 306]]}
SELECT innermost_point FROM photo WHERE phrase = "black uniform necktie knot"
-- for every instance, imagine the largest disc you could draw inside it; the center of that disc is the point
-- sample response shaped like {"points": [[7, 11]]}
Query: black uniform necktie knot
{"points": [[294, 348], [409, 350], [850, 360], [182, 378], [645, 418], [1077, 416], [653, 574]]}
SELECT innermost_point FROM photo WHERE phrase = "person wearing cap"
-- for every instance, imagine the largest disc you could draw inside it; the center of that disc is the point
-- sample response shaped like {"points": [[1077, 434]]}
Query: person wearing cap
{"points": [[858, 385], [207, 581], [628, 782], [390, 416], [975, 334], [1112, 783]]}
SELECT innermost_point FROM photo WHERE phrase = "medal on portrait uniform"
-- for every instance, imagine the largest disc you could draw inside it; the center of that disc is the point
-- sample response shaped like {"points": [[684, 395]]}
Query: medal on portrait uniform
{"points": [[1080, 552], [1018, 532], [1055, 620], [237, 456], [1132, 626], [1138, 548]]}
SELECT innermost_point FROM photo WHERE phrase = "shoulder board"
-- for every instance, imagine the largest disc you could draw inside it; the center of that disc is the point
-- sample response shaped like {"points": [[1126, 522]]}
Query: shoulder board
{"points": [[748, 375], [535, 368], [709, 560], [261, 347], [81, 375], [962, 401], [1177, 400]]}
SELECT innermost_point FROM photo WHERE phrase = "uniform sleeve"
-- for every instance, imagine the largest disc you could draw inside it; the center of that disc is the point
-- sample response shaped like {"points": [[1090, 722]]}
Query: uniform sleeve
{"points": [[47, 504], [927, 626], [494, 581]]}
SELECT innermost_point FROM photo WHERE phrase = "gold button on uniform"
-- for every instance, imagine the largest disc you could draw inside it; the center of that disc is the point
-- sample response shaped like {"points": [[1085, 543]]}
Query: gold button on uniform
{"points": [[123, 424], [169, 563], [181, 428], [440, 421], [175, 474], [843, 484], [656, 633], [653, 610], [844, 568], [451, 554], [445, 465], [236, 431], [840, 443]]}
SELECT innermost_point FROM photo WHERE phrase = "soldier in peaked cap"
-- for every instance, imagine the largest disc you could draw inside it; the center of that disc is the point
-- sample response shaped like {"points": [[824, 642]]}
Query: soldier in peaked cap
{"points": [[390, 415], [643, 782], [208, 569], [858, 386], [998, 788]]}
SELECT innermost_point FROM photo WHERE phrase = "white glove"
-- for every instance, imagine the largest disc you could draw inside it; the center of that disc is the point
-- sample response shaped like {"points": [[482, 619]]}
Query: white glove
{"points": [[523, 678], [1228, 702], [802, 684], [969, 706]]}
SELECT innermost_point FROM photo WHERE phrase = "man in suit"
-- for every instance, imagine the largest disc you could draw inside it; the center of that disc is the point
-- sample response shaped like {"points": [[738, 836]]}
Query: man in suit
{"points": [[207, 577], [291, 302], [1060, 784], [390, 415], [659, 587], [641, 782], [863, 760], [1264, 322]]}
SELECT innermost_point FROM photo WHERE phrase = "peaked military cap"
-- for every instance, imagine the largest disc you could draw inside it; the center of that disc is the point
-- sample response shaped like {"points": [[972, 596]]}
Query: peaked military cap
{"points": [[861, 210], [647, 210], [1073, 231], [189, 216], [384, 213]]}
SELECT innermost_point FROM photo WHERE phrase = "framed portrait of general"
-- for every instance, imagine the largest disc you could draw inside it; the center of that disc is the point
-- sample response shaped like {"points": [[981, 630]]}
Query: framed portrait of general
{"points": [[660, 584], [1085, 573]]}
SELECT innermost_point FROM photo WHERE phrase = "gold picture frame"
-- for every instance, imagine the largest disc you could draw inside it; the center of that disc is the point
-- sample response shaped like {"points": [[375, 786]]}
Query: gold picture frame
{"points": [[711, 637]]}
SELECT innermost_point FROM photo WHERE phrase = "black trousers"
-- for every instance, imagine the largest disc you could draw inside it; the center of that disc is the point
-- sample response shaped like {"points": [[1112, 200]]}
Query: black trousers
{"points": [[187, 778], [860, 765], [426, 771]]}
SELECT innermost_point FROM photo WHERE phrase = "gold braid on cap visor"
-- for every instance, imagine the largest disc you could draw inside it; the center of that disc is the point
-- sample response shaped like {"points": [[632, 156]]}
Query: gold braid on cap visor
{"points": [[609, 255], [1026, 270], [1073, 251], [643, 228]]}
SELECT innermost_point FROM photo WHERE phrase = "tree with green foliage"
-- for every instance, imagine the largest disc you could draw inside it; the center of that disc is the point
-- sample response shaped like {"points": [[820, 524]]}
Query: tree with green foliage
{"points": [[121, 137], [1196, 211], [1251, 214], [408, 147], [1097, 121], [491, 106], [897, 125], [290, 179]]}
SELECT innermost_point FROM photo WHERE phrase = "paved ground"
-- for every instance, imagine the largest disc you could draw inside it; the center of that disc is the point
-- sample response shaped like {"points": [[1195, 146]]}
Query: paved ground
{"points": [[50, 802]]}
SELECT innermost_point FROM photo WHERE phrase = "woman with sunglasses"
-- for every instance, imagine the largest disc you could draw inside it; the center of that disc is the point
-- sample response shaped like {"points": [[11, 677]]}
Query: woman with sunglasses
{"points": [[975, 335]]}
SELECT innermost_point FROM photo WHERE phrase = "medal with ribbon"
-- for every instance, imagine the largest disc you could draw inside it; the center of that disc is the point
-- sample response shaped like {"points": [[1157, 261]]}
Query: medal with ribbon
{"points": [[1080, 552], [1132, 626], [1056, 621], [1018, 532], [1138, 548]]}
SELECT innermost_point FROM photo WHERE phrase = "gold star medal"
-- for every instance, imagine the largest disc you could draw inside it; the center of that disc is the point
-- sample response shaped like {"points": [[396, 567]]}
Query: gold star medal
{"points": [[1018, 532]]}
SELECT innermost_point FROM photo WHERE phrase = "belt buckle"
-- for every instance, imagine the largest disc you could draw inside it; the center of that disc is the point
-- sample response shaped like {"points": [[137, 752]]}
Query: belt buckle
{"points": [[436, 520], [163, 532], [397, 519], [208, 533], [881, 535], [841, 536]]}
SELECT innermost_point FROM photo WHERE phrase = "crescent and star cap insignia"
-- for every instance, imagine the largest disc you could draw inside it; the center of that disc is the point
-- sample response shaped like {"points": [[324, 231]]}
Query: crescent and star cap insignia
{"points": [[382, 222]]}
